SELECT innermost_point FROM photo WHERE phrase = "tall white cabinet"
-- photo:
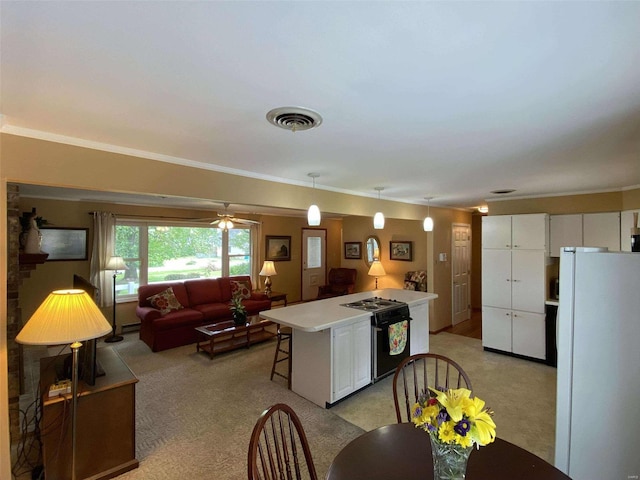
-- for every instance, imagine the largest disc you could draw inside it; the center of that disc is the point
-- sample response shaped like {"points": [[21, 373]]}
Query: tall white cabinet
{"points": [[514, 257]]}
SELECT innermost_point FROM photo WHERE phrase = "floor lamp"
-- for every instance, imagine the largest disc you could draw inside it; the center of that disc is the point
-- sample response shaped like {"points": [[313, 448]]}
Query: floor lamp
{"points": [[66, 317], [115, 264]]}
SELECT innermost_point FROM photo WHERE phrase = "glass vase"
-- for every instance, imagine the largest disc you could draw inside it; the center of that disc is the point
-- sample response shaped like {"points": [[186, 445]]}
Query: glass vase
{"points": [[449, 461]]}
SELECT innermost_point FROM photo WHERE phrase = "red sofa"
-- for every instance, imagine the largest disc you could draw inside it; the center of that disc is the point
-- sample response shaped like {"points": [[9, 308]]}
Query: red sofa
{"points": [[205, 301]]}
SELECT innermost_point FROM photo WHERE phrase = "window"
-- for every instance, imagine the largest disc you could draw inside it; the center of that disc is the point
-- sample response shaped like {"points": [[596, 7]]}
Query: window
{"points": [[165, 252]]}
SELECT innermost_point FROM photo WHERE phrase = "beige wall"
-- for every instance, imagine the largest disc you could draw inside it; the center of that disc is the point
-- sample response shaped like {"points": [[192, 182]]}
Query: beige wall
{"points": [[586, 203]]}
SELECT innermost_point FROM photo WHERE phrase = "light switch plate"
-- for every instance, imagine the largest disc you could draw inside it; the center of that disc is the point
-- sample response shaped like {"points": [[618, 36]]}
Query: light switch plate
{"points": [[442, 257]]}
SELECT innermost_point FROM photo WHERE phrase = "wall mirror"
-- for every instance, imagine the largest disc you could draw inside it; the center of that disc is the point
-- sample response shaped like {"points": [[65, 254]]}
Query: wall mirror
{"points": [[372, 249]]}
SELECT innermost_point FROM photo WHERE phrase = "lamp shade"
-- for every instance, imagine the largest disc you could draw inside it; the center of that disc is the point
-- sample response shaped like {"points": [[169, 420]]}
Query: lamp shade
{"points": [[378, 221], [268, 269], [313, 216], [116, 263], [428, 224], [376, 269], [66, 316]]}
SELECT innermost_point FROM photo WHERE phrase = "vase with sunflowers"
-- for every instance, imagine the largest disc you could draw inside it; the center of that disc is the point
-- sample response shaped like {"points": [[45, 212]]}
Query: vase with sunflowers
{"points": [[455, 422]]}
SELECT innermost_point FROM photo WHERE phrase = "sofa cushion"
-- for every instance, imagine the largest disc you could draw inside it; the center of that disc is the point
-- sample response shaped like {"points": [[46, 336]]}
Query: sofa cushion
{"points": [[165, 301], [146, 291], [214, 311], [225, 285], [179, 318], [241, 288], [203, 291]]}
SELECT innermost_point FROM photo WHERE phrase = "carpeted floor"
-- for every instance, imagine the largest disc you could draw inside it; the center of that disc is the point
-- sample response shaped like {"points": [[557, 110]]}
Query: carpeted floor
{"points": [[194, 416]]}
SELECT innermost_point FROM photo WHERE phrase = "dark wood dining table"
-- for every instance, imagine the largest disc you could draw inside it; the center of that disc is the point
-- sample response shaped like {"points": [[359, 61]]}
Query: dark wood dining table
{"points": [[403, 452]]}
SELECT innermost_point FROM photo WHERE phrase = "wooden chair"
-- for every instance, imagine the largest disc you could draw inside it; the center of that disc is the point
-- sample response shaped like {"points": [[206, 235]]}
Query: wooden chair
{"points": [[423, 370], [341, 281], [277, 443]]}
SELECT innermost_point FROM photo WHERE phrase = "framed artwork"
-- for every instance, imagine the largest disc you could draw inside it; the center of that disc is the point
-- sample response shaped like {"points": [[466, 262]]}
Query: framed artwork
{"points": [[353, 250], [65, 243], [401, 251], [278, 248]]}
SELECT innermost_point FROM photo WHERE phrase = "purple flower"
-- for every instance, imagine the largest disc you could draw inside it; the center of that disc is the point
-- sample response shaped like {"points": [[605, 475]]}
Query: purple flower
{"points": [[462, 427], [443, 416]]}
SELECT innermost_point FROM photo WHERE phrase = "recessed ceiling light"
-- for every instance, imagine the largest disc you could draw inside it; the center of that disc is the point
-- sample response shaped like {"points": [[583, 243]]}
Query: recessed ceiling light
{"points": [[294, 118], [503, 191]]}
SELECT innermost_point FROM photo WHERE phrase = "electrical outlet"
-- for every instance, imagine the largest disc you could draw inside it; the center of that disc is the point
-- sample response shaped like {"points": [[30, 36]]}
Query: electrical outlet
{"points": [[62, 387]]}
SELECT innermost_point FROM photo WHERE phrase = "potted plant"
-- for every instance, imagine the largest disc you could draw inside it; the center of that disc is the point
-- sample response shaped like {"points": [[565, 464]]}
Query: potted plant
{"points": [[238, 310]]}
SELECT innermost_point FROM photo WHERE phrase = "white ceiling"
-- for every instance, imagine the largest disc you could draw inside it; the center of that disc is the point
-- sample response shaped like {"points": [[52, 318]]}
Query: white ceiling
{"points": [[449, 100]]}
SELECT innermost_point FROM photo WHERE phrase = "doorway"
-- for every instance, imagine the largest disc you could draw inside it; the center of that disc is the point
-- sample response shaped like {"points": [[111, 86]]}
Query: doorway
{"points": [[314, 263], [461, 272]]}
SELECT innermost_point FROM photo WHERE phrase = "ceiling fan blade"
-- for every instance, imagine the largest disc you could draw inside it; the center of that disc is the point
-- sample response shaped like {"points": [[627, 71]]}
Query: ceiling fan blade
{"points": [[244, 221], [215, 222]]}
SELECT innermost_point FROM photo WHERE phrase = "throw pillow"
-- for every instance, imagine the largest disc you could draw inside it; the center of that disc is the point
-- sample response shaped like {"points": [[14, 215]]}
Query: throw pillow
{"points": [[241, 287], [409, 285], [165, 301]]}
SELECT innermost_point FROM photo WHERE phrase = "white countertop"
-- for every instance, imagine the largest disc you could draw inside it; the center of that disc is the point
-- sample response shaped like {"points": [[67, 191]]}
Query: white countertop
{"points": [[323, 314]]}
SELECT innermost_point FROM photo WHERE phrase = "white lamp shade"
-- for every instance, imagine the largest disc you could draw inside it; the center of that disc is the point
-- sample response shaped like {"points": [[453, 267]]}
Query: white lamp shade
{"points": [[66, 316], [268, 269], [376, 269], [116, 263], [225, 224], [313, 216], [428, 224], [378, 221]]}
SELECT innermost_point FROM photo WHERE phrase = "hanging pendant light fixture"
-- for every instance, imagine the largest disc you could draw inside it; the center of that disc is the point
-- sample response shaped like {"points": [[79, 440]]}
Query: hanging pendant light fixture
{"points": [[313, 215], [428, 221], [378, 218]]}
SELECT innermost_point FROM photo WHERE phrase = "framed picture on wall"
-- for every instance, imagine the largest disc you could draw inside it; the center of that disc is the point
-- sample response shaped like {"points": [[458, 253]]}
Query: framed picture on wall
{"points": [[401, 251], [353, 250], [65, 243], [278, 248]]}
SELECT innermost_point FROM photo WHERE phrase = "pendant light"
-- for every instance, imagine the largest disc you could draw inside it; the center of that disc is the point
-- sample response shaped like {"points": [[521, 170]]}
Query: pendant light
{"points": [[313, 215], [378, 218], [428, 221]]}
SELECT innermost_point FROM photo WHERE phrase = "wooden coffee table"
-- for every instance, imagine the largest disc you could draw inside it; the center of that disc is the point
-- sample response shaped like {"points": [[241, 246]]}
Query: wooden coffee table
{"points": [[225, 336]]}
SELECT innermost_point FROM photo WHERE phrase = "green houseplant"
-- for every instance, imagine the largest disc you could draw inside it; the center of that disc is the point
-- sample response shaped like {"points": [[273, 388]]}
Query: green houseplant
{"points": [[238, 310]]}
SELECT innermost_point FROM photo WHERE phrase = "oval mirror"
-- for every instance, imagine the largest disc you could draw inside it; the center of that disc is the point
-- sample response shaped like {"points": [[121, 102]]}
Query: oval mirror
{"points": [[372, 247]]}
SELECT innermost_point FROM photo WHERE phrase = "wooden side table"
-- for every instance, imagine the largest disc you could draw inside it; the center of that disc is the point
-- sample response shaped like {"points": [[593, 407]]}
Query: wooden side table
{"points": [[105, 445], [278, 297]]}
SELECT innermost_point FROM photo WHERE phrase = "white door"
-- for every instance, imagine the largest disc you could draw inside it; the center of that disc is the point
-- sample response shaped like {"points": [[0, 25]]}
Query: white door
{"points": [[496, 278], [461, 266], [496, 231], [528, 290], [314, 265], [496, 328]]}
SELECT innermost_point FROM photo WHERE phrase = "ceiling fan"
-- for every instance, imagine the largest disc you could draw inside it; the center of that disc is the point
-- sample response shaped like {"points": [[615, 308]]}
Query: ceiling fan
{"points": [[227, 220]]}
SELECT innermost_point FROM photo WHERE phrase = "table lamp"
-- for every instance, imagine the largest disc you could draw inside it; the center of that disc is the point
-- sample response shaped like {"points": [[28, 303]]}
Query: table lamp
{"points": [[377, 270], [115, 264], [268, 270], [66, 317]]}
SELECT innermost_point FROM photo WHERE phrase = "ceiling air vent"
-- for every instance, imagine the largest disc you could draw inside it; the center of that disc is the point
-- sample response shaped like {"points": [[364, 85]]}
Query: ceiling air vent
{"points": [[294, 118]]}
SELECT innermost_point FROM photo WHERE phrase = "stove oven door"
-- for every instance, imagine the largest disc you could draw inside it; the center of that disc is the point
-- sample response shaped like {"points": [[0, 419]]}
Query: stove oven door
{"points": [[383, 363]]}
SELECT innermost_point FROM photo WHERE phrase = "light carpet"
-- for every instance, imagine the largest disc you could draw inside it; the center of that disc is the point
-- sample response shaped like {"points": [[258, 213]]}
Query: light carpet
{"points": [[194, 416]]}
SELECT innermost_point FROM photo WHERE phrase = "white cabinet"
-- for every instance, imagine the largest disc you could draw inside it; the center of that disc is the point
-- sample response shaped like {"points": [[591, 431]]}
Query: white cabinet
{"points": [[419, 333], [529, 232], [513, 286], [585, 230], [565, 231], [601, 230], [351, 355]]}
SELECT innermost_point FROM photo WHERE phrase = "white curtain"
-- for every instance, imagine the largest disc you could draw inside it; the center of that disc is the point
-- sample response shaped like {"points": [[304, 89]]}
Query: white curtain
{"points": [[104, 244], [256, 234]]}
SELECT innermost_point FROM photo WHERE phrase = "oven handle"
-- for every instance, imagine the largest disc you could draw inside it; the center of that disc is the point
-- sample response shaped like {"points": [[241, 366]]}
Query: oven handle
{"points": [[408, 319]]}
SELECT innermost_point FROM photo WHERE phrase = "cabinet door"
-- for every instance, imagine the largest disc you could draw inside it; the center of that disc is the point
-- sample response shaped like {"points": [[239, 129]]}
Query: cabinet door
{"points": [[419, 335], [342, 367], [528, 334], [496, 328], [361, 354], [496, 278], [529, 231], [602, 230], [527, 280], [565, 231], [496, 231]]}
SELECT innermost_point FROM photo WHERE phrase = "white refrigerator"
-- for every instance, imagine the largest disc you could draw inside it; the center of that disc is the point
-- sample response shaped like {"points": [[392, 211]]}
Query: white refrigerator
{"points": [[598, 377]]}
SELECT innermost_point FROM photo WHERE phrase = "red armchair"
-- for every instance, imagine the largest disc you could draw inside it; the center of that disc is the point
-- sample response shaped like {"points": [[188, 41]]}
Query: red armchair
{"points": [[341, 282]]}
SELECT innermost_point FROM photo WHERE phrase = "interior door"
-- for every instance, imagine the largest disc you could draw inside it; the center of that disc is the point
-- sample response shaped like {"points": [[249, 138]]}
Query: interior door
{"points": [[314, 264], [461, 266]]}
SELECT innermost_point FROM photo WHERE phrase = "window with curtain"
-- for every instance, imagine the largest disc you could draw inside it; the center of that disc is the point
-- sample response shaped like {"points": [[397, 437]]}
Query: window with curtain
{"points": [[162, 252]]}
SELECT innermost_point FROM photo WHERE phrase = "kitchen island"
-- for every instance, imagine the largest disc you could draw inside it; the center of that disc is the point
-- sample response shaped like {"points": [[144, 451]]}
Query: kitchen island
{"points": [[331, 343]]}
